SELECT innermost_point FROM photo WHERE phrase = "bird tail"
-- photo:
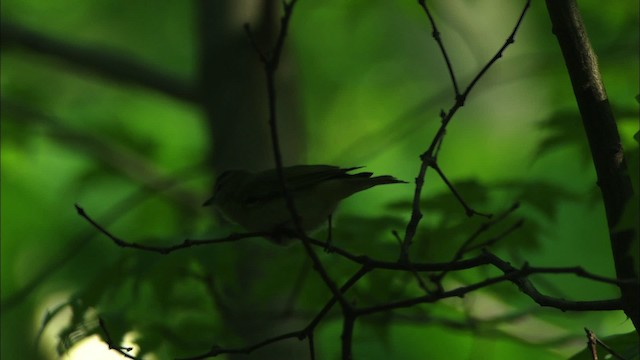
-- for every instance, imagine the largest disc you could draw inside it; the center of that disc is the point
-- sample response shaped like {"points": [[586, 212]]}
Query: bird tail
{"points": [[378, 180], [385, 179]]}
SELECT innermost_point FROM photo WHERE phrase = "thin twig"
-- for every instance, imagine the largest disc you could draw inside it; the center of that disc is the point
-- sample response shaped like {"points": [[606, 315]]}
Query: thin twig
{"points": [[466, 245], [306, 332], [489, 242], [367, 263], [436, 35], [164, 250], [464, 248], [124, 351], [82, 239], [348, 284], [428, 157], [517, 276], [510, 40], [312, 348], [415, 274], [580, 272], [530, 290], [348, 323], [217, 350], [467, 209], [271, 64], [592, 344], [593, 340]]}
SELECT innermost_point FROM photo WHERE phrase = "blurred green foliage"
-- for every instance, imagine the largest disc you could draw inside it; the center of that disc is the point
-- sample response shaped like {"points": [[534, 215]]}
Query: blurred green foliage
{"points": [[371, 83]]}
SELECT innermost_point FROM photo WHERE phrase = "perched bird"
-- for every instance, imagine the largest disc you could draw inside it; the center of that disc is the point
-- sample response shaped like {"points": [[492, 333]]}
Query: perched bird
{"points": [[256, 202]]}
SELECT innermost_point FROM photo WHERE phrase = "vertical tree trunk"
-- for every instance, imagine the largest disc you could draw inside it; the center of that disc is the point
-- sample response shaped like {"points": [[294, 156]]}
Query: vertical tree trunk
{"points": [[234, 101], [604, 141]]}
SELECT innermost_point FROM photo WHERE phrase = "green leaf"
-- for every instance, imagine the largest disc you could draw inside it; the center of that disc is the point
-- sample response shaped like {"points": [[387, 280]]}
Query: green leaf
{"points": [[82, 325], [564, 128], [543, 196], [631, 212]]}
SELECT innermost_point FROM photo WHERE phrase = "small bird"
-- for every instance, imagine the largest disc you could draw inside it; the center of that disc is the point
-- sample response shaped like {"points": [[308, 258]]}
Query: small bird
{"points": [[256, 202]]}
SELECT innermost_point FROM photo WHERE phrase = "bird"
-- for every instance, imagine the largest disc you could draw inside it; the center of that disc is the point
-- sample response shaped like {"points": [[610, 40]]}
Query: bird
{"points": [[255, 200]]}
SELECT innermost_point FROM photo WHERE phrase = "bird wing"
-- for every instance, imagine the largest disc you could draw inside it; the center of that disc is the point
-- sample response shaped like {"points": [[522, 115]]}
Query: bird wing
{"points": [[265, 186]]}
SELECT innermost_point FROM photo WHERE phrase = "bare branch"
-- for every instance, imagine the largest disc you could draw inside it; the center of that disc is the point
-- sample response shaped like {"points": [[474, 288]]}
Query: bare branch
{"points": [[436, 36], [528, 288], [306, 332], [348, 323], [516, 276], [465, 247], [593, 341], [428, 157], [109, 64], [271, 64], [467, 209], [186, 243], [124, 351]]}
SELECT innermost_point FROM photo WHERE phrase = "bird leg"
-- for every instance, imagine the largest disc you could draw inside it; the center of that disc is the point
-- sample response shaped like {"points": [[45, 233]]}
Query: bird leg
{"points": [[327, 247]]}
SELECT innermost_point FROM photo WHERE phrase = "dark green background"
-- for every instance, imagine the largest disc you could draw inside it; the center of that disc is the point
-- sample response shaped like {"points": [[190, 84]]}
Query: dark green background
{"points": [[369, 83]]}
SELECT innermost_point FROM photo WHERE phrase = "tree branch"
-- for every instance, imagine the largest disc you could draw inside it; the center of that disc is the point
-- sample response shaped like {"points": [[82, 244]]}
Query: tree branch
{"points": [[271, 63], [604, 141], [428, 158], [110, 65]]}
